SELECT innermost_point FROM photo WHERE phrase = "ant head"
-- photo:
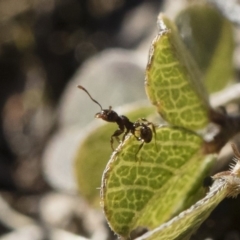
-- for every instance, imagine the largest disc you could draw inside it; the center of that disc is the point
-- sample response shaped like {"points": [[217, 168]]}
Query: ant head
{"points": [[104, 114], [107, 115]]}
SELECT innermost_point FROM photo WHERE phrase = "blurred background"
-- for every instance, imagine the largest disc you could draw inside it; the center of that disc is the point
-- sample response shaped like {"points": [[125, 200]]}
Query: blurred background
{"points": [[43, 44], [47, 48]]}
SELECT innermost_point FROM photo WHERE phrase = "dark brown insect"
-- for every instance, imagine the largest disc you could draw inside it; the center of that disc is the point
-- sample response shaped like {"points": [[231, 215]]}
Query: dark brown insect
{"points": [[125, 126]]}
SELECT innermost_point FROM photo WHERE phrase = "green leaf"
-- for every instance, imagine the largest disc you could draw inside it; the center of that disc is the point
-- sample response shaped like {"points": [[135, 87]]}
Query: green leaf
{"points": [[185, 224], [173, 81], [209, 38], [94, 151], [159, 185], [181, 227], [221, 68]]}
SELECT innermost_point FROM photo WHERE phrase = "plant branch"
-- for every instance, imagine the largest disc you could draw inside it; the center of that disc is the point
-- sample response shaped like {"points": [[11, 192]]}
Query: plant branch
{"points": [[229, 127]]}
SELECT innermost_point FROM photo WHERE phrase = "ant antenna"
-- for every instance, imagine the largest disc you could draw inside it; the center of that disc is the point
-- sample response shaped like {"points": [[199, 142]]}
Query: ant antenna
{"points": [[81, 87]]}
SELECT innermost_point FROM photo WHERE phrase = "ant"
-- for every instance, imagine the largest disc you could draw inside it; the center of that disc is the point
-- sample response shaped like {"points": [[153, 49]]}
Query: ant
{"points": [[124, 124]]}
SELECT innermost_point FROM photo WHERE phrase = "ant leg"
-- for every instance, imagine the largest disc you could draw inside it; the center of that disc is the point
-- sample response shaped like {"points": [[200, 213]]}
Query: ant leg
{"points": [[115, 134], [135, 129], [140, 147], [124, 135], [138, 138], [111, 142], [155, 135]]}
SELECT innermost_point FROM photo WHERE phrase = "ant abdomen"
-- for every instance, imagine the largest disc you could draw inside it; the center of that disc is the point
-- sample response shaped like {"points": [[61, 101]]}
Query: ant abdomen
{"points": [[146, 134]]}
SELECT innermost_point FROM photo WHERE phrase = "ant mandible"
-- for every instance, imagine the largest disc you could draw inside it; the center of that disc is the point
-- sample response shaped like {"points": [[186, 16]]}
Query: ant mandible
{"points": [[124, 124]]}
